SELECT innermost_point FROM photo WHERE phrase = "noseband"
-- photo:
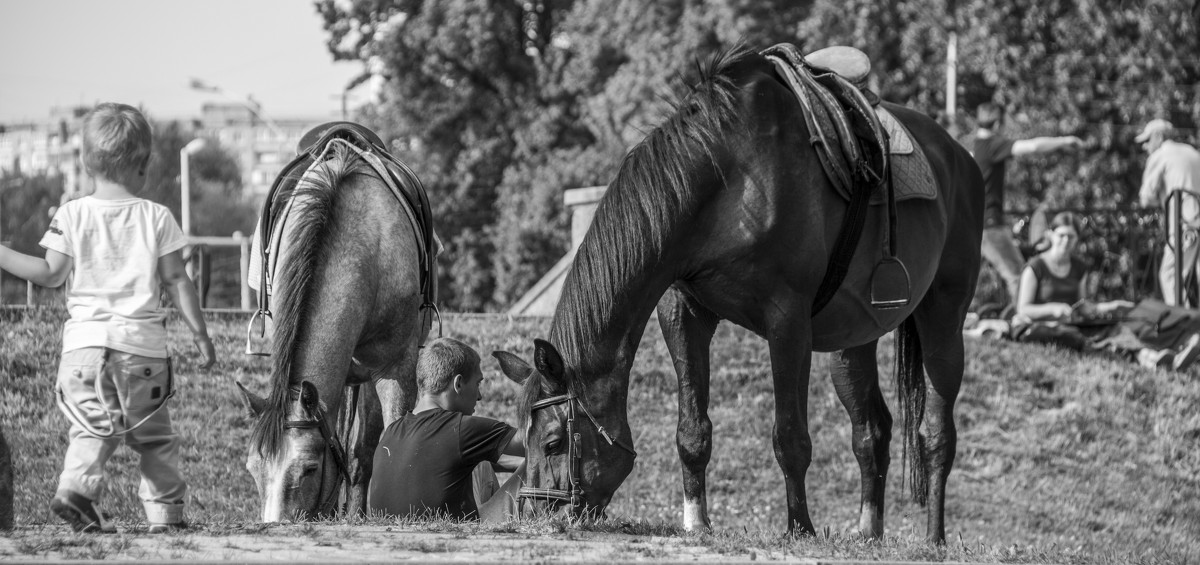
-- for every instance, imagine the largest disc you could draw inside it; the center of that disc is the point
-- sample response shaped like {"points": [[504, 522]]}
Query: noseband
{"points": [[334, 445], [575, 493]]}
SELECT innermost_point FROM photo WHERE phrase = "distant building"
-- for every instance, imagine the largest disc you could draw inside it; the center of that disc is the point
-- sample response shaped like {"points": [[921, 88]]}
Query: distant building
{"points": [[47, 147], [262, 147]]}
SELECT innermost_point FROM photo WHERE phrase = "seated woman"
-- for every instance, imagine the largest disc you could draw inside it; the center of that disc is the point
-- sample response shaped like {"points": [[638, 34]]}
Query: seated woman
{"points": [[1053, 304]]}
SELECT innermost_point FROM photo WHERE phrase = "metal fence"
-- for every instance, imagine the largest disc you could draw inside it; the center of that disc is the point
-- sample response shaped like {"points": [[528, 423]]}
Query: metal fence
{"points": [[1123, 247]]}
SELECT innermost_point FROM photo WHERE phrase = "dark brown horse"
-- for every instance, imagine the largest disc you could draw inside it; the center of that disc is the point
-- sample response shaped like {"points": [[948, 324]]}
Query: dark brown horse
{"points": [[348, 290], [723, 212]]}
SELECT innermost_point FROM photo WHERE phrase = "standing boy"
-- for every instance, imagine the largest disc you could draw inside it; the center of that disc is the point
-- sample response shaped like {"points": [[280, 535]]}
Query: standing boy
{"points": [[114, 250]]}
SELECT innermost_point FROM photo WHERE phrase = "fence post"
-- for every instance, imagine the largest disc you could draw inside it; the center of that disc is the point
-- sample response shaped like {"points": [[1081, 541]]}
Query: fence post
{"points": [[1174, 213], [244, 267], [6, 485]]}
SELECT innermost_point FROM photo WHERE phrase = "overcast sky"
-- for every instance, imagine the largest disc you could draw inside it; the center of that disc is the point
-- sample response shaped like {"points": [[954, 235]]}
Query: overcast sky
{"points": [[144, 52]]}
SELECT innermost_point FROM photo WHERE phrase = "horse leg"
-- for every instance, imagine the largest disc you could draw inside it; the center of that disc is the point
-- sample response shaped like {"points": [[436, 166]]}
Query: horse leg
{"points": [[396, 396], [791, 360], [688, 329], [855, 376], [939, 328], [364, 436]]}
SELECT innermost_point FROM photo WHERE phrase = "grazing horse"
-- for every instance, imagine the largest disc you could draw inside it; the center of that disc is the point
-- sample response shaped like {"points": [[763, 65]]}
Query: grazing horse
{"points": [[724, 212], [347, 300]]}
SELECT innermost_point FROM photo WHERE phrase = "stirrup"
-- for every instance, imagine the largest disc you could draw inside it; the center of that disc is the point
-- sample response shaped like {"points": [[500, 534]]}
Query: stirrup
{"points": [[258, 345], [890, 286]]}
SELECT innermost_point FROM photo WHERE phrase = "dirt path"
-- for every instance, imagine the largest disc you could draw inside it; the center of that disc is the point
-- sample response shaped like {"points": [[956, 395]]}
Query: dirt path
{"points": [[358, 543]]}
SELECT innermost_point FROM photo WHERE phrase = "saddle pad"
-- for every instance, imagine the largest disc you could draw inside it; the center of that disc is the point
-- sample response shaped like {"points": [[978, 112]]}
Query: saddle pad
{"points": [[912, 177], [280, 238]]}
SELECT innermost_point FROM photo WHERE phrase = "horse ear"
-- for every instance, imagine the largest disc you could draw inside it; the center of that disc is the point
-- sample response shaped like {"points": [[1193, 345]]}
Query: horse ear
{"points": [[254, 404], [548, 361], [513, 367], [309, 397]]}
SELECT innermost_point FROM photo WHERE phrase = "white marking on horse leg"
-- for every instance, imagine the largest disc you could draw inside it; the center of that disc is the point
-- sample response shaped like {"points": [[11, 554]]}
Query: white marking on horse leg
{"points": [[695, 514], [868, 524]]}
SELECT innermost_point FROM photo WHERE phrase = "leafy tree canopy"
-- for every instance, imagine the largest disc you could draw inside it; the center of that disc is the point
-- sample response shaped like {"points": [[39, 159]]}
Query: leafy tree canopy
{"points": [[500, 106]]}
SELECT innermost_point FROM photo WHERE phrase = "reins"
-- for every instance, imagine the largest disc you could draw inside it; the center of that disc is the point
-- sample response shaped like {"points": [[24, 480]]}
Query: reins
{"points": [[335, 446], [575, 492]]}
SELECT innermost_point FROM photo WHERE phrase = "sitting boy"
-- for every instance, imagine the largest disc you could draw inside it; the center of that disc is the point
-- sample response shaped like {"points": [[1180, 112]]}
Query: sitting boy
{"points": [[436, 461]]}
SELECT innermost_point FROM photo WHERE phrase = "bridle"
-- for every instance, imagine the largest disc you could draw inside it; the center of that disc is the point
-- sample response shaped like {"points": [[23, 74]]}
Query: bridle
{"points": [[334, 445], [575, 493]]}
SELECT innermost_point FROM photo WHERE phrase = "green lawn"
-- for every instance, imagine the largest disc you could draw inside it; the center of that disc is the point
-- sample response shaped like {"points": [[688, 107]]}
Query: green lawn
{"points": [[1061, 457]]}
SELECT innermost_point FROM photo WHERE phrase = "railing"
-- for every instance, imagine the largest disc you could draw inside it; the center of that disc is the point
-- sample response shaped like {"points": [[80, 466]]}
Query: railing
{"points": [[1123, 247], [237, 240]]}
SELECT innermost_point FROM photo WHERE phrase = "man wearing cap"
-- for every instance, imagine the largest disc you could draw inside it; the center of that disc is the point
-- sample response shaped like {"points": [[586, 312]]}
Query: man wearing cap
{"points": [[1173, 166], [992, 151]]}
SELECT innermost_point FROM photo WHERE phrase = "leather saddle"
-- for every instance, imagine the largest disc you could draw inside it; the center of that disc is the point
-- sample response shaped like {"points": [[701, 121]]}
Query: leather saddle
{"points": [[853, 147], [401, 180]]}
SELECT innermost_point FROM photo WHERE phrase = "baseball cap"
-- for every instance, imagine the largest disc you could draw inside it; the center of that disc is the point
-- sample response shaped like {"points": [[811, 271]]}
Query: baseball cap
{"points": [[1154, 126]]}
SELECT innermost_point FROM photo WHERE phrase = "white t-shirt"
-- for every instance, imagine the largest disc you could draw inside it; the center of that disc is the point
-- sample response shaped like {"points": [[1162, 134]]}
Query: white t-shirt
{"points": [[113, 289]]}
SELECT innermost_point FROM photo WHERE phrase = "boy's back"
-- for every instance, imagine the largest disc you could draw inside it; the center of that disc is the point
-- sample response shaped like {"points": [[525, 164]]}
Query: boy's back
{"points": [[113, 291]]}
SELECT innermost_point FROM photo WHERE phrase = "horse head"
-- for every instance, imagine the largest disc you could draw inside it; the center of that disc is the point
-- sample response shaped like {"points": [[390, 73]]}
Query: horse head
{"points": [[298, 472], [576, 457]]}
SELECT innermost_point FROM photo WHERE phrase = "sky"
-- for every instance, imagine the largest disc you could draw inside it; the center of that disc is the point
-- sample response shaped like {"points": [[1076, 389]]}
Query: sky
{"points": [[145, 53]]}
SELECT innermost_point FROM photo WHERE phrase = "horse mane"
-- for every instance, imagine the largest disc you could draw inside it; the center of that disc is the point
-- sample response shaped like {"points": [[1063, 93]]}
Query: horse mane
{"points": [[315, 197], [650, 197]]}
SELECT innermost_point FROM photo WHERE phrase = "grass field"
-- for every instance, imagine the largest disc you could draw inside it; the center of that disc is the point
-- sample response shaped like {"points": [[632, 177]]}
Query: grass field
{"points": [[1061, 458]]}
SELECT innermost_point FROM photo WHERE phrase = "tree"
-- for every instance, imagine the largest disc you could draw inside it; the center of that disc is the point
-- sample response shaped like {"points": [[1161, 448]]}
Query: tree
{"points": [[500, 106], [1062, 67]]}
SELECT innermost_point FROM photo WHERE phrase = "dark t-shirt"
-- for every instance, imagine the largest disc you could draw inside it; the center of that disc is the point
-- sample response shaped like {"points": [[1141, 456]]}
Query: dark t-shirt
{"points": [[991, 153], [1057, 289], [424, 462]]}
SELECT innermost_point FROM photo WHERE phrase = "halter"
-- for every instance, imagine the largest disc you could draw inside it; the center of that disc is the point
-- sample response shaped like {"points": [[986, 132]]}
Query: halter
{"points": [[575, 493], [334, 444]]}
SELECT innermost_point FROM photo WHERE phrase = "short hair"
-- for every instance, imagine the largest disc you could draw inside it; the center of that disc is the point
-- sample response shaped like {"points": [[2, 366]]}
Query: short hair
{"points": [[440, 360], [117, 144], [1066, 219], [988, 114]]}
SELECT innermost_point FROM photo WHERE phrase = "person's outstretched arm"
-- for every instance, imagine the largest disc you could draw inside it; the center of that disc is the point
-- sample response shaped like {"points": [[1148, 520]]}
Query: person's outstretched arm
{"points": [[50, 272], [183, 294], [1045, 145]]}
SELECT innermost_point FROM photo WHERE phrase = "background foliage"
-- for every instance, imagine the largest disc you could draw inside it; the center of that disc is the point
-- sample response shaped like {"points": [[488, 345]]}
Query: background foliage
{"points": [[500, 106]]}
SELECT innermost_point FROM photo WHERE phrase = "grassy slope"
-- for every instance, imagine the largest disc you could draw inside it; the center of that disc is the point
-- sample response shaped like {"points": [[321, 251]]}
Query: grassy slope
{"points": [[1081, 456]]}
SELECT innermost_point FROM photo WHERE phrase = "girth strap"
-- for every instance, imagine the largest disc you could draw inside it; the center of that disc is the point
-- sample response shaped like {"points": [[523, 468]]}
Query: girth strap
{"points": [[859, 142]]}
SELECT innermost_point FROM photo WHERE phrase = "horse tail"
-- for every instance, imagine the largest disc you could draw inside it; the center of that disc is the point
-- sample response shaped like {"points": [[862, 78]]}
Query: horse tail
{"points": [[910, 388]]}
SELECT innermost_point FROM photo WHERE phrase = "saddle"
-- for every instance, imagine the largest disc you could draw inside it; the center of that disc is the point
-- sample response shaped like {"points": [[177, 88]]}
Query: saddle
{"points": [[853, 146], [400, 180]]}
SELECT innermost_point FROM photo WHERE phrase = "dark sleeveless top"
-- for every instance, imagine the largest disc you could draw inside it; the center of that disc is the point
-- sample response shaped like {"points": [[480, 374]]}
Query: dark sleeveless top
{"points": [[1057, 289]]}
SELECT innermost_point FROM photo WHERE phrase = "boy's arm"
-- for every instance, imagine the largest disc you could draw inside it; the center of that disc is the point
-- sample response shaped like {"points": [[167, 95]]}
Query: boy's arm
{"points": [[50, 272], [179, 286]]}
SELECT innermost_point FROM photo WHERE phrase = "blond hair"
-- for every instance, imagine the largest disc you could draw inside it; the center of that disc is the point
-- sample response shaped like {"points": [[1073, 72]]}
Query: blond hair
{"points": [[117, 144]]}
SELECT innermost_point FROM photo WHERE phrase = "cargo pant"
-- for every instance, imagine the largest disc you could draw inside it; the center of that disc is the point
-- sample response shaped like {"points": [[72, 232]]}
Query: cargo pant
{"points": [[130, 388]]}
